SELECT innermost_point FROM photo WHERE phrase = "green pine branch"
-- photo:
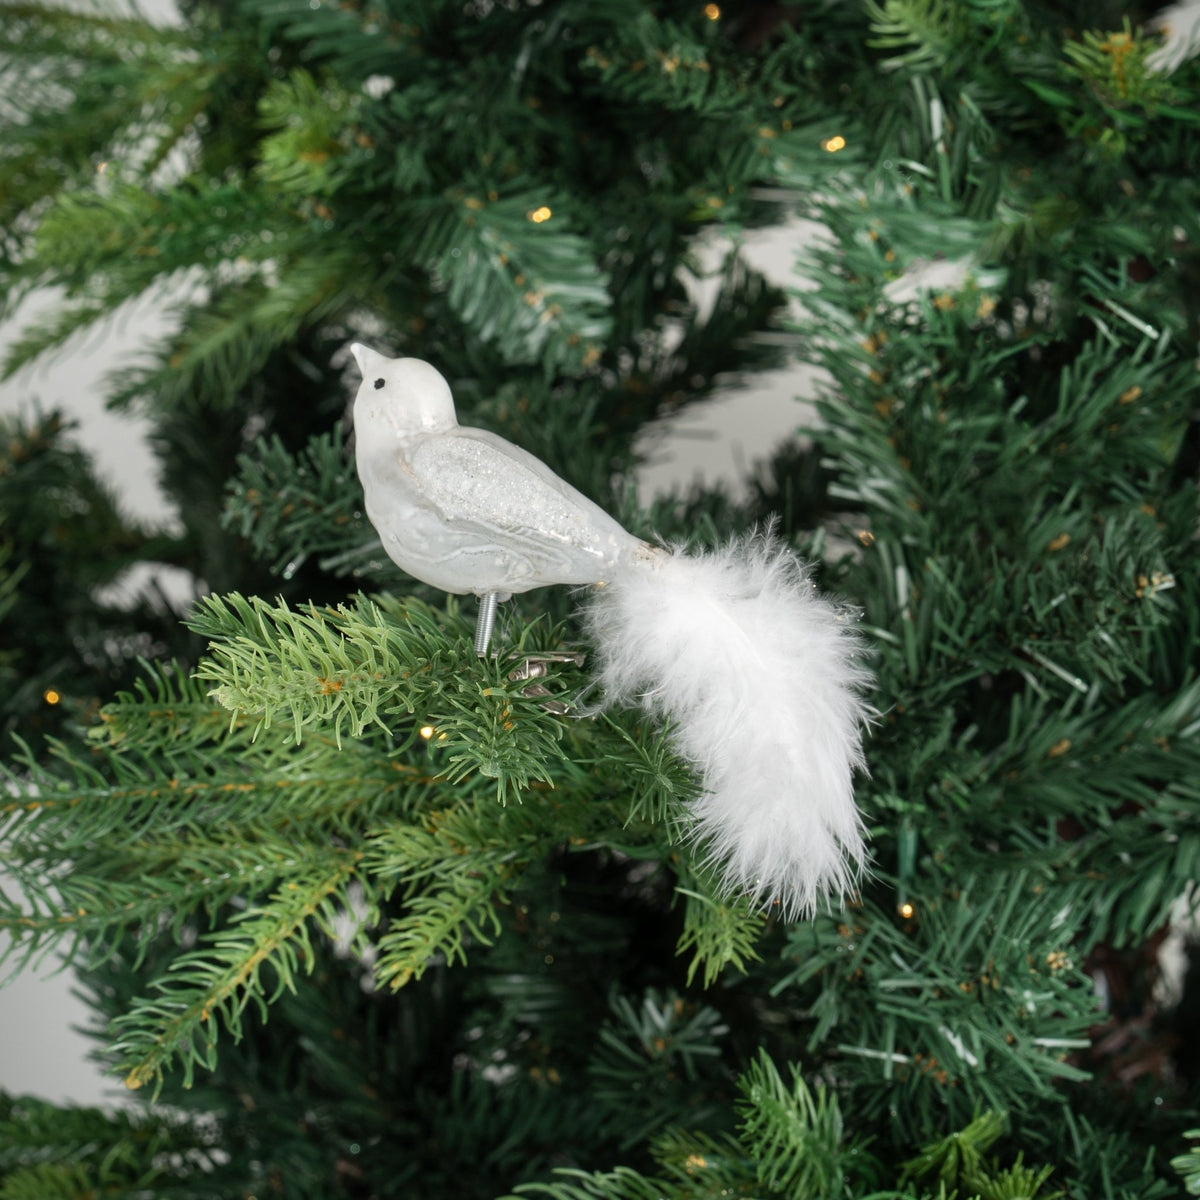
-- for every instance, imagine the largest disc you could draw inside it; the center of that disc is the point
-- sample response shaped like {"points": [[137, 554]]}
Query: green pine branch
{"points": [[937, 31], [225, 341], [680, 67], [311, 128], [87, 88], [721, 931], [516, 272], [976, 990], [261, 954], [166, 698], [344, 668], [666, 1048], [280, 501], [457, 867], [796, 1132], [43, 1145], [439, 925]]}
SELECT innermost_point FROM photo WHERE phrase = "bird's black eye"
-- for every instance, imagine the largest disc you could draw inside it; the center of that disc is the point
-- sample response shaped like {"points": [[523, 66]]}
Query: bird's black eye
{"points": [[378, 384]]}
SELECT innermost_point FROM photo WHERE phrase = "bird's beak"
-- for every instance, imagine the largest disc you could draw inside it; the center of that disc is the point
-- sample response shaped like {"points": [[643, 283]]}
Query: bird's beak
{"points": [[367, 359]]}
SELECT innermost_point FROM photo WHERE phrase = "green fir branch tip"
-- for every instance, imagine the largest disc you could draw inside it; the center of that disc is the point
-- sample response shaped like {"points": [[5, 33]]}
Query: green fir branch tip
{"points": [[251, 962], [720, 931], [795, 1132]]}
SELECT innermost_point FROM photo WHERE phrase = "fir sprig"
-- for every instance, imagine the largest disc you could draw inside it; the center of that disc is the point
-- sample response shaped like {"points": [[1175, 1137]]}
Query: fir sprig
{"points": [[796, 1131], [258, 956], [455, 870], [280, 500], [1019, 1004], [720, 931]]}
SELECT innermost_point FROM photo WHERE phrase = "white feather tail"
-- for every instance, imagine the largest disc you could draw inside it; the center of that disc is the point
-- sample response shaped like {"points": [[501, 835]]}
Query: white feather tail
{"points": [[757, 674]]}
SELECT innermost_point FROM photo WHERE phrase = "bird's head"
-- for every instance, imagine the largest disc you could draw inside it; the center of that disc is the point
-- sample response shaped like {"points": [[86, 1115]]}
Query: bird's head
{"points": [[405, 394]]}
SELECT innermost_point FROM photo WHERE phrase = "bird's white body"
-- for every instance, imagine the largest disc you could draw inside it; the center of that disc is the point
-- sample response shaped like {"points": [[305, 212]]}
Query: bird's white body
{"points": [[756, 672], [462, 509]]}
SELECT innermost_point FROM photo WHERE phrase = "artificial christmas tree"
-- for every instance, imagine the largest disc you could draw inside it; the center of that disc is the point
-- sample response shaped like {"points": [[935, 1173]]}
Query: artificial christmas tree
{"points": [[63, 541], [368, 913]]}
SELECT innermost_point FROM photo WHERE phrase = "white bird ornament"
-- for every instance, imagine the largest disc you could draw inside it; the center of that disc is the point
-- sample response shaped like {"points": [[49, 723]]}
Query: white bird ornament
{"points": [[757, 673]]}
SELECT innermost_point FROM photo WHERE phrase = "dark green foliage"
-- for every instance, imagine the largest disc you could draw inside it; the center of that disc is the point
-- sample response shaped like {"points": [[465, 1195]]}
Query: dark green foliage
{"points": [[47, 1153], [316, 811], [373, 917], [63, 646]]}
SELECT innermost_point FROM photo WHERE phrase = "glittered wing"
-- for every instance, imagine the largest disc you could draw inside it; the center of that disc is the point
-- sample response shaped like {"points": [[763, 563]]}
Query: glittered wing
{"points": [[536, 528]]}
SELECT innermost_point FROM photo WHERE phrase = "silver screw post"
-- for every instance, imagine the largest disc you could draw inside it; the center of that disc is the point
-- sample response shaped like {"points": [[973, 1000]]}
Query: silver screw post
{"points": [[484, 622]]}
